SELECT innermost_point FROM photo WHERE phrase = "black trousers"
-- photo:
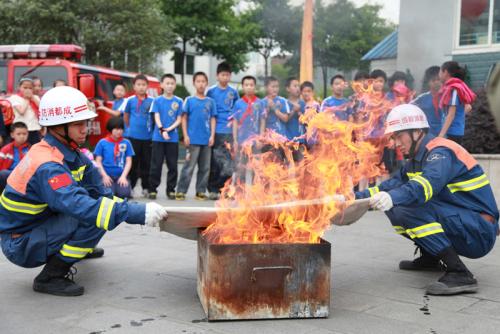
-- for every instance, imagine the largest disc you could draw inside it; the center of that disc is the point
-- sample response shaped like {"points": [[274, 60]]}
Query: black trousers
{"points": [[140, 162], [160, 153], [221, 164]]}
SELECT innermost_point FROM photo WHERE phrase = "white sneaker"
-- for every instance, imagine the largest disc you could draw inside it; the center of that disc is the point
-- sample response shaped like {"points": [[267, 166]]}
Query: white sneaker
{"points": [[145, 193]]}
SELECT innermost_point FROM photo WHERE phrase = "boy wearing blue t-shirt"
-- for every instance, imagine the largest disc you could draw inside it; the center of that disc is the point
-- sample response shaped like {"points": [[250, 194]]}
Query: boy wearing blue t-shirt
{"points": [[119, 93], [139, 125], [247, 115], [429, 101], [297, 108], [221, 163], [198, 127], [337, 103], [167, 115], [113, 157], [276, 110]]}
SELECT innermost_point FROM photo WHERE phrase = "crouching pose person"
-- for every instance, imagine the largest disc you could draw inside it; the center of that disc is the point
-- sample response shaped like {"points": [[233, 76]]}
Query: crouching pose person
{"points": [[55, 209], [441, 199]]}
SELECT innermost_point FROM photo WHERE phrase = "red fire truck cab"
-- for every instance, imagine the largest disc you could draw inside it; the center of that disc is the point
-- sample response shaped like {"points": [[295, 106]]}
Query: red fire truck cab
{"points": [[62, 62]]}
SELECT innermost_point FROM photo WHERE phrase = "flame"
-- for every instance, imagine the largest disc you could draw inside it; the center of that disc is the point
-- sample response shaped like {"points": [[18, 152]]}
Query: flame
{"points": [[338, 156]]}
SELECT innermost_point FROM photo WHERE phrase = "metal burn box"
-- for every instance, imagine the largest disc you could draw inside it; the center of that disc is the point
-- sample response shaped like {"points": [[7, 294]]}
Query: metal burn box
{"points": [[264, 281]]}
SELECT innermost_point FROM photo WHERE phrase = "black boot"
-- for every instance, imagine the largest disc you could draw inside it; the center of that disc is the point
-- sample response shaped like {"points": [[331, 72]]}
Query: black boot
{"points": [[96, 253], [54, 279], [457, 279], [426, 262]]}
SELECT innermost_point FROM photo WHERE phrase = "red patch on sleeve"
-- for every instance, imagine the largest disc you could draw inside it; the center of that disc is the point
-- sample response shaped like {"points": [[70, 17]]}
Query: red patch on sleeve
{"points": [[59, 181]]}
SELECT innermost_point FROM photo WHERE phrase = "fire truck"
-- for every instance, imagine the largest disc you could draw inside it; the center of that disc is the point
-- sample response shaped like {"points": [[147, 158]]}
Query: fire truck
{"points": [[51, 62]]}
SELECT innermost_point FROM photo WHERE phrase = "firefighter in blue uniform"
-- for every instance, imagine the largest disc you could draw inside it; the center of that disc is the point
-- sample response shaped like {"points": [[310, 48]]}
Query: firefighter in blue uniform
{"points": [[55, 209], [441, 199]]}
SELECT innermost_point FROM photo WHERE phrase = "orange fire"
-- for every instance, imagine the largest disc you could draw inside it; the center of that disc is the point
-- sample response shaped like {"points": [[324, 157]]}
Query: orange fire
{"points": [[340, 154]]}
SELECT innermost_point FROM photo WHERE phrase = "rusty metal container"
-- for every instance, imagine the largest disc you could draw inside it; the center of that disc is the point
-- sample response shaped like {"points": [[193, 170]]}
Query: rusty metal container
{"points": [[264, 281]]}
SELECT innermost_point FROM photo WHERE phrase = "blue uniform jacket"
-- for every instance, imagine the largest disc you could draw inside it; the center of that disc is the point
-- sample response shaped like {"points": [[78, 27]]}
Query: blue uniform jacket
{"points": [[444, 171], [68, 184]]}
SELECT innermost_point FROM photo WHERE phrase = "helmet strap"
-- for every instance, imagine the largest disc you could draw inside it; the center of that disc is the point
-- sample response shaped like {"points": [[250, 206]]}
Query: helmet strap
{"points": [[71, 143], [414, 142]]}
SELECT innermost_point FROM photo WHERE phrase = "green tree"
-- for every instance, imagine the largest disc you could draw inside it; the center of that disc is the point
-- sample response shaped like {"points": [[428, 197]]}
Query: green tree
{"points": [[210, 26], [129, 34], [341, 42], [279, 28]]}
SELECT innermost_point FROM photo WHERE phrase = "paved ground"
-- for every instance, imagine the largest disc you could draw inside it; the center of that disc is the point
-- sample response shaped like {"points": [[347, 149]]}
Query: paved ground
{"points": [[146, 283]]}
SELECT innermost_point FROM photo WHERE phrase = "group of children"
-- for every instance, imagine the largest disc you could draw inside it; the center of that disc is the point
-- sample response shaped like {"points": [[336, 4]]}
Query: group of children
{"points": [[215, 122]]}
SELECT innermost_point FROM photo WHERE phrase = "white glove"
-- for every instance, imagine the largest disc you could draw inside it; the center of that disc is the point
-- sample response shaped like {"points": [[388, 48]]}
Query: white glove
{"points": [[339, 198], [381, 201], [155, 213]]}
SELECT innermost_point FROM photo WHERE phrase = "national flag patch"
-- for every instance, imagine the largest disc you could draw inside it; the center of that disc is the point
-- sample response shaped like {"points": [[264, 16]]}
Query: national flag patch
{"points": [[59, 181]]}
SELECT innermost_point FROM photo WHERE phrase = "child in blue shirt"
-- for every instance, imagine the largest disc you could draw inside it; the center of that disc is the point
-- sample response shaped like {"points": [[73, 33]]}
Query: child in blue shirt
{"points": [[429, 101], [337, 103], [297, 108], [139, 125], [247, 115], [221, 163], [167, 115], [454, 109], [276, 110], [198, 127], [119, 93], [113, 157]]}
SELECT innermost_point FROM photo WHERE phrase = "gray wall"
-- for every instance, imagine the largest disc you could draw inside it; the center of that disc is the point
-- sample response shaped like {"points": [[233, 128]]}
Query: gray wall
{"points": [[425, 35]]}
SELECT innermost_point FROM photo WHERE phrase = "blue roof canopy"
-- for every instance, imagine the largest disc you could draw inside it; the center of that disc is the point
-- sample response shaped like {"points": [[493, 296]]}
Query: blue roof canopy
{"points": [[385, 49]]}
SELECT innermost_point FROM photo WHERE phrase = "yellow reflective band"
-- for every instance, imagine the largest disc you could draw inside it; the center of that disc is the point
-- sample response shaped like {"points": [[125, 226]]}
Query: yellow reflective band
{"points": [[400, 229], [412, 175], [22, 207], [78, 174], [425, 230], [75, 252], [469, 185], [373, 191], [117, 199], [425, 184], [104, 213]]}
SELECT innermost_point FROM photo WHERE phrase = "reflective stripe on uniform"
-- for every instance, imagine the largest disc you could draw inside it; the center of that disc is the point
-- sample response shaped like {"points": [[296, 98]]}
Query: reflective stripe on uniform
{"points": [[425, 230], [78, 174], [31, 209], [75, 252], [117, 199], [104, 213], [425, 184], [373, 191], [469, 185], [412, 175], [399, 229]]}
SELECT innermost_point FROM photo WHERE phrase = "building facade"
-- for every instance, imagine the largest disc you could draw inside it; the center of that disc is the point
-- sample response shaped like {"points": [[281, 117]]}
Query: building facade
{"points": [[431, 32]]}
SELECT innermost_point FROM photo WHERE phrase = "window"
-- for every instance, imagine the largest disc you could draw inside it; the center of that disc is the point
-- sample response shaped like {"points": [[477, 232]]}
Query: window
{"points": [[479, 22], [3, 78], [496, 22], [474, 22], [48, 74], [178, 63], [188, 64]]}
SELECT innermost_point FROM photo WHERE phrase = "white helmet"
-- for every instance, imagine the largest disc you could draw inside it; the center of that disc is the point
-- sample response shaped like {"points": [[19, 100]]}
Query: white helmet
{"points": [[62, 105], [405, 117]]}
